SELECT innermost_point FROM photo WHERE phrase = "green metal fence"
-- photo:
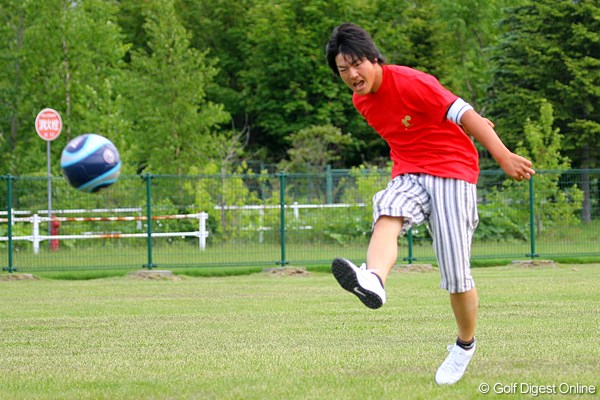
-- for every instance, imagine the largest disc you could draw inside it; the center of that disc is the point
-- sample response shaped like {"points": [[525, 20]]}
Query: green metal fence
{"points": [[163, 221]]}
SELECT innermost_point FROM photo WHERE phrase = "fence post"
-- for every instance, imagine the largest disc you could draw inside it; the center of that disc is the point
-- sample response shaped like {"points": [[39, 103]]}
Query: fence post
{"points": [[202, 217], [283, 261], [532, 254], [148, 178], [9, 212], [35, 221], [329, 184]]}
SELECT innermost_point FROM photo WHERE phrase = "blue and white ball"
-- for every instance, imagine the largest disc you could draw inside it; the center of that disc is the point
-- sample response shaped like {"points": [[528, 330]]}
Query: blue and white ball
{"points": [[90, 162]]}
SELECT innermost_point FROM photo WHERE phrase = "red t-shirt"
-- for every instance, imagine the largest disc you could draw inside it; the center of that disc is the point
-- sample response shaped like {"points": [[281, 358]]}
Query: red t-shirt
{"points": [[409, 111]]}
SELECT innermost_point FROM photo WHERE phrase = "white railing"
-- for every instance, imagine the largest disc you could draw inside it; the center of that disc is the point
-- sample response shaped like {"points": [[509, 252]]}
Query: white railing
{"points": [[36, 220], [202, 233], [295, 206]]}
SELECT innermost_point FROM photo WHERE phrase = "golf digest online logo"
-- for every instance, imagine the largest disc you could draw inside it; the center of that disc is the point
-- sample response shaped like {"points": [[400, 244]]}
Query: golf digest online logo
{"points": [[533, 390]]}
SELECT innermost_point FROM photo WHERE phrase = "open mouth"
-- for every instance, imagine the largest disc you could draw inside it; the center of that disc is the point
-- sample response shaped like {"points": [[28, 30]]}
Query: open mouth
{"points": [[360, 85]]}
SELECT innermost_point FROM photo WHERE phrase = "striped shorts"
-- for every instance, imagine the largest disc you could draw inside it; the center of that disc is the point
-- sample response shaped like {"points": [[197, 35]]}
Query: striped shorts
{"points": [[449, 207]]}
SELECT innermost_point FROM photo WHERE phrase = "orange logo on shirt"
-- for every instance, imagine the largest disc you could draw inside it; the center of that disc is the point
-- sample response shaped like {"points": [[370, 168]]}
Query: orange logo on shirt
{"points": [[406, 121]]}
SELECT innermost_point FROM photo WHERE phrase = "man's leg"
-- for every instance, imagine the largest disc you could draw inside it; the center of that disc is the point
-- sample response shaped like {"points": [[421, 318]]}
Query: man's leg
{"points": [[452, 224], [367, 281], [383, 246], [464, 306], [403, 196]]}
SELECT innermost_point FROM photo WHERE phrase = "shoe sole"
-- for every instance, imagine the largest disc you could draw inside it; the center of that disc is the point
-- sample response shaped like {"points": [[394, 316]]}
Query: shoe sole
{"points": [[348, 280]]}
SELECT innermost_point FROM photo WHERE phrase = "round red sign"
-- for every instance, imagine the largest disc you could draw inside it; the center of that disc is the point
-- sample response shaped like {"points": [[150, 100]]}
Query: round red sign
{"points": [[48, 124]]}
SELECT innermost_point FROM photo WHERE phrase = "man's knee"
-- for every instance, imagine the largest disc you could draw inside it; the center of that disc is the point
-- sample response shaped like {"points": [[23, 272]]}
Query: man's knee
{"points": [[457, 284], [389, 225]]}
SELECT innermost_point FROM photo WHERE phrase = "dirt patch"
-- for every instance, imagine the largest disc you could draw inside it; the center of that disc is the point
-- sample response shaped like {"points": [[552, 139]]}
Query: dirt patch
{"points": [[287, 271], [18, 277], [413, 268], [154, 275], [534, 263]]}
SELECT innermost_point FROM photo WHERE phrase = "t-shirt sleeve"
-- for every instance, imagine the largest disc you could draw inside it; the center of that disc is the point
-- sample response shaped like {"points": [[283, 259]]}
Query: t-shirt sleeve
{"points": [[431, 97]]}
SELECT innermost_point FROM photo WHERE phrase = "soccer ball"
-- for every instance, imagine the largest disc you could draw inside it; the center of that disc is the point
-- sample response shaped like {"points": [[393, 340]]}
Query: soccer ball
{"points": [[90, 162]]}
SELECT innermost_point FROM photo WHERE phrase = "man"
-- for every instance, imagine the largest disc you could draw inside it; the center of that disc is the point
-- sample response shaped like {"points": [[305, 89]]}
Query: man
{"points": [[434, 176]]}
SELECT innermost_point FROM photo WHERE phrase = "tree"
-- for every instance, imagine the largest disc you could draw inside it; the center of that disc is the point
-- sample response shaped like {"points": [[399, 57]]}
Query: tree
{"points": [[551, 50], [273, 72], [542, 145], [11, 30], [171, 121], [553, 203], [315, 147], [286, 82], [61, 54], [471, 28], [219, 27]]}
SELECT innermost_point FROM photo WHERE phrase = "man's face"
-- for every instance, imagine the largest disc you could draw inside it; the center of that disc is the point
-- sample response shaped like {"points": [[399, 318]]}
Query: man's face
{"points": [[361, 75]]}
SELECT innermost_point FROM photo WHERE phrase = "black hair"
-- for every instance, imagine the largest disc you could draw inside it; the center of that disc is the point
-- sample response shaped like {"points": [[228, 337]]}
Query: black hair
{"points": [[353, 41]]}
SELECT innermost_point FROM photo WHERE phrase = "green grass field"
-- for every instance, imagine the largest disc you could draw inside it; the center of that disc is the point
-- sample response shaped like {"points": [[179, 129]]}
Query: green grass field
{"points": [[294, 337]]}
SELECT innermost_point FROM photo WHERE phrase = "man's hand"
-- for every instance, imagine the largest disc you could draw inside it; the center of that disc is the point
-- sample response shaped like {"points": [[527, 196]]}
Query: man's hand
{"points": [[482, 129], [517, 167]]}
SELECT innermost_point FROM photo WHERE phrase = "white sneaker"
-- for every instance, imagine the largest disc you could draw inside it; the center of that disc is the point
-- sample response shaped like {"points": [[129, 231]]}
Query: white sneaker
{"points": [[359, 281], [454, 366]]}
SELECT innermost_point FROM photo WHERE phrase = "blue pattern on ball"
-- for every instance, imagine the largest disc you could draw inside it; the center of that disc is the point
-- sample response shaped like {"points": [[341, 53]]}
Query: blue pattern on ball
{"points": [[90, 162]]}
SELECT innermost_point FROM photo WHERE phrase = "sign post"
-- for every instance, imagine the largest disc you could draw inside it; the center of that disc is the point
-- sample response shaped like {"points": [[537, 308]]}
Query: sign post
{"points": [[48, 125]]}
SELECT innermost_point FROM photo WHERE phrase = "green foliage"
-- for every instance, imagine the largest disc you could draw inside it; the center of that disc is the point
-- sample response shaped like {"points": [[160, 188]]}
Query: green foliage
{"points": [[368, 180], [287, 85], [363, 182], [506, 212], [163, 78], [551, 50], [315, 147], [220, 27], [223, 197], [469, 28], [500, 220], [166, 98], [412, 36], [553, 203], [62, 55]]}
